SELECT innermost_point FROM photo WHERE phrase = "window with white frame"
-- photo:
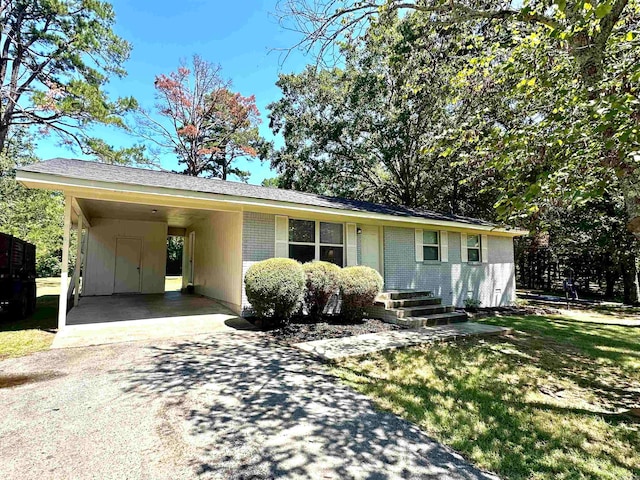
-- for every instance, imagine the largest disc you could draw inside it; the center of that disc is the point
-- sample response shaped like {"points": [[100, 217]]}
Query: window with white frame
{"points": [[310, 240], [302, 240], [332, 243], [431, 245], [473, 248]]}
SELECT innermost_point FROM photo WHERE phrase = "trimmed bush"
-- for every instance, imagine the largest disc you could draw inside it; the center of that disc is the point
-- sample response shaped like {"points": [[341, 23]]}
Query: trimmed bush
{"points": [[275, 288], [359, 286], [322, 282]]}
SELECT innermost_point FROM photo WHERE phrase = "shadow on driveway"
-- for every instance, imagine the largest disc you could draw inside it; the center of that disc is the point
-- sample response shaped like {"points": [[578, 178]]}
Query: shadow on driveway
{"points": [[250, 409]]}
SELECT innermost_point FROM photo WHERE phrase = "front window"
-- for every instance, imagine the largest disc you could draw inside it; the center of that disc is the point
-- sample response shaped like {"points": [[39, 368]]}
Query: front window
{"points": [[302, 231], [473, 248], [331, 243], [310, 240], [302, 240], [430, 245]]}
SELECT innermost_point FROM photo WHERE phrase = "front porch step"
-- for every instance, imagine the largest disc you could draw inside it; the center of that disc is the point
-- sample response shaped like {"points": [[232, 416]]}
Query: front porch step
{"points": [[404, 294], [430, 320], [414, 309], [422, 310], [390, 315], [409, 302]]}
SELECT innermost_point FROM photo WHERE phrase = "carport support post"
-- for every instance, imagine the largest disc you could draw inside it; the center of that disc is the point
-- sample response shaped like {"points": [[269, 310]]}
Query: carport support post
{"points": [[64, 275], [76, 272]]}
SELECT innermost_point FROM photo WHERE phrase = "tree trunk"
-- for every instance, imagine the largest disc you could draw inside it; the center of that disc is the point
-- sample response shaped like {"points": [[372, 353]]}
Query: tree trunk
{"points": [[631, 191], [630, 280], [4, 133], [610, 276], [610, 281]]}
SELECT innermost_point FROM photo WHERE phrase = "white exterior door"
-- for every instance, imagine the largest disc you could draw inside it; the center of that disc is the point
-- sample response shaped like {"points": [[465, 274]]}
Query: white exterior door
{"points": [[370, 247], [127, 275]]}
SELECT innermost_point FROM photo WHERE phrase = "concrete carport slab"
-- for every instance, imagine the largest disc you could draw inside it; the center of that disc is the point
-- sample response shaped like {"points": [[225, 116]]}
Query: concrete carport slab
{"points": [[125, 318]]}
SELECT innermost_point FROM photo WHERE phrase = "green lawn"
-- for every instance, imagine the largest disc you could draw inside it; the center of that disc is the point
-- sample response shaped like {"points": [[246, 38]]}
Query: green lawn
{"points": [[551, 401], [35, 333]]}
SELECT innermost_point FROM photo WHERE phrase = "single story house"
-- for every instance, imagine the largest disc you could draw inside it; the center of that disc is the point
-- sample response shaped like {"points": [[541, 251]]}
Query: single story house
{"points": [[127, 214]]}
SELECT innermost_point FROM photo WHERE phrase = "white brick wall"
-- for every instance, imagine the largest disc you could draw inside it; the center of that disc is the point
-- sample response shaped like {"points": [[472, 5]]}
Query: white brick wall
{"points": [[493, 283], [258, 243]]}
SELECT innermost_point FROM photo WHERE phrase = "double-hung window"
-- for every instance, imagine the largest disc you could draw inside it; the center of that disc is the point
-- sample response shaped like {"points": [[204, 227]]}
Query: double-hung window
{"points": [[430, 245], [302, 240], [310, 240], [473, 248], [332, 243]]}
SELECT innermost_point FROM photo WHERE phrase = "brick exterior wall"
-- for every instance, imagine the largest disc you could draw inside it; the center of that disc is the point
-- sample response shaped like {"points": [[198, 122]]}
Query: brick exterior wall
{"points": [[492, 283], [258, 243]]}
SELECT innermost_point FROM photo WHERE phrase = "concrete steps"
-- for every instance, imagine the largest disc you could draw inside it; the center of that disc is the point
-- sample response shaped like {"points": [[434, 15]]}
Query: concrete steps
{"points": [[409, 302], [403, 294], [414, 308], [432, 320]]}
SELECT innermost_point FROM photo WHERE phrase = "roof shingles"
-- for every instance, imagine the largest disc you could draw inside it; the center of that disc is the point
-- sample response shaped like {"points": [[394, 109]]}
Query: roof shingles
{"points": [[94, 171]]}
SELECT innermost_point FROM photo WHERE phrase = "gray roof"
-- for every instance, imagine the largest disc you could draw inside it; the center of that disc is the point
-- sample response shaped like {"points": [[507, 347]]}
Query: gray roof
{"points": [[88, 170]]}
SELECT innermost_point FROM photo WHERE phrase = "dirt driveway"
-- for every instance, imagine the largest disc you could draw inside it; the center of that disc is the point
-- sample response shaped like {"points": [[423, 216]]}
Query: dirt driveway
{"points": [[227, 405]]}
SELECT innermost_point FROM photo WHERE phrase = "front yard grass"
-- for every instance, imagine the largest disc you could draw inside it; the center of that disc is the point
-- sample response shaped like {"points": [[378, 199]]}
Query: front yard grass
{"points": [[34, 333], [550, 401]]}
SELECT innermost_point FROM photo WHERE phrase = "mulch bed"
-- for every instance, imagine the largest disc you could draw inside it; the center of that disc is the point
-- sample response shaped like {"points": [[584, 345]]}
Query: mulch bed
{"points": [[306, 331]]}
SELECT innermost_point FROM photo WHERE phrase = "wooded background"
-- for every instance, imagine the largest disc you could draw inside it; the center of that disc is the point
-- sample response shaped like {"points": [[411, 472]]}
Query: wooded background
{"points": [[525, 115]]}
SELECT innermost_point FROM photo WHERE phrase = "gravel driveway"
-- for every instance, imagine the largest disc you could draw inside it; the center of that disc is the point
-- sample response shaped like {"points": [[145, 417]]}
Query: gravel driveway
{"points": [[227, 405]]}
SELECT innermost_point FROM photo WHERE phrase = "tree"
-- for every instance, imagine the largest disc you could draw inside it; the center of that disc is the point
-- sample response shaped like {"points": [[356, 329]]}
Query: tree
{"points": [[573, 58], [56, 57], [591, 241], [32, 215], [374, 129], [175, 248], [199, 119], [273, 182]]}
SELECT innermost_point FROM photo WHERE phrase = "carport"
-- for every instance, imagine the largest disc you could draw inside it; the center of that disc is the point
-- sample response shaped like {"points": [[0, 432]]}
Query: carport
{"points": [[122, 308], [122, 228], [120, 318]]}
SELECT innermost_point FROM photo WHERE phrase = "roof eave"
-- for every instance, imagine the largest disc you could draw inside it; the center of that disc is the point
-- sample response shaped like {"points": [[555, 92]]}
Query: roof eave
{"points": [[59, 182]]}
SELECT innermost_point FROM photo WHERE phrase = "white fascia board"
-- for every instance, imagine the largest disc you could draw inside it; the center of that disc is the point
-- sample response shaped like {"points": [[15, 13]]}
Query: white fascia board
{"points": [[57, 182]]}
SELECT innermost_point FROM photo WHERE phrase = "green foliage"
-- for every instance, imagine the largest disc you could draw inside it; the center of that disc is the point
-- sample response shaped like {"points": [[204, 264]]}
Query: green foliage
{"points": [[59, 56], [31, 215], [273, 182], [175, 248], [275, 288], [471, 304], [322, 281], [560, 91], [531, 115], [359, 286], [592, 240], [374, 129], [202, 121]]}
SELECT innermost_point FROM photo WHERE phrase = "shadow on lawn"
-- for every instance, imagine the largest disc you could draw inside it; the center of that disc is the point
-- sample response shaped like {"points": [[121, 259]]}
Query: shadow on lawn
{"points": [[260, 411], [523, 404], [601, 342], [44, 318]]}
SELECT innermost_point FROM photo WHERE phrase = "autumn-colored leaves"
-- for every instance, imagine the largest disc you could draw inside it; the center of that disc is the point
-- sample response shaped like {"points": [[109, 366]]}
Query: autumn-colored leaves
{"points": [[201, 120]]}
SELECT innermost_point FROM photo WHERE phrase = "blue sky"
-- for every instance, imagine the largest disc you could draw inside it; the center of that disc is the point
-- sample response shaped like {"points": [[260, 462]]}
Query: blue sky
{"points": [[239, 35]]}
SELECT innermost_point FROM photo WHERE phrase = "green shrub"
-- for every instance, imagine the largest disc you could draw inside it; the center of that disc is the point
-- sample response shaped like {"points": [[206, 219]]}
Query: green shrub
{"points": [[48, 266], [359, 287], [275, 288], [322, 282], [471, 304]]}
